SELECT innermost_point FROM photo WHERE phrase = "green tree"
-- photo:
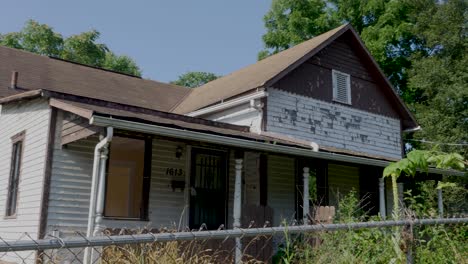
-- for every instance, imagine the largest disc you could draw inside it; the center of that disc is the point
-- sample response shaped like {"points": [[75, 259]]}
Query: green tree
{"points": [[82, 48], [289, 22], [438, 80], [195, 79]]}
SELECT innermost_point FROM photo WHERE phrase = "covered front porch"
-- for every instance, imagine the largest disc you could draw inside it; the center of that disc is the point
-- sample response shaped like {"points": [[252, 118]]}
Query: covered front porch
{"points": [[162, 179], [160, 171]]}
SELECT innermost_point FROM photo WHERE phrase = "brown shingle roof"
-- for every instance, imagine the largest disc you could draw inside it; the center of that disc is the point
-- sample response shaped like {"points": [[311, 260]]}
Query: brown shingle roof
{"points": [[41, 72], [253, 76]]}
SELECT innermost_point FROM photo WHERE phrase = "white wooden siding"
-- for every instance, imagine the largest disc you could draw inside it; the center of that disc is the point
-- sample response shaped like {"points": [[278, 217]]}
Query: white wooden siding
{"points": [[280, 187], [332, 125], [167, 205], [341, 180], [70, 186], [33, 117]]}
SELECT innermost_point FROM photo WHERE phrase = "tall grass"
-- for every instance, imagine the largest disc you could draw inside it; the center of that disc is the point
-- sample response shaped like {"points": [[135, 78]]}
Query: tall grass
{"points": [[427, 244]]}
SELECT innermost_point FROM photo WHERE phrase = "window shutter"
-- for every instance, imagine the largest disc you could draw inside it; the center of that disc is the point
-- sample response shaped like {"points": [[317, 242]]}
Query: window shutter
{"points": [[341, 87]]}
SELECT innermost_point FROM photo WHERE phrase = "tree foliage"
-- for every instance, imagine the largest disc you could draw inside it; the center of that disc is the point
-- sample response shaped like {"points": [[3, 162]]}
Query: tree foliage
{"points": [[195, 79], [438, 80], [290, 22], [82, 48]]}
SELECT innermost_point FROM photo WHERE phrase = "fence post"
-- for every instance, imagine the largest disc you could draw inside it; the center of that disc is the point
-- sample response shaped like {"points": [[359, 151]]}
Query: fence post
{"points": [[440, 202], [408, 238], [305, 201], [382, 209], [237, 208]]}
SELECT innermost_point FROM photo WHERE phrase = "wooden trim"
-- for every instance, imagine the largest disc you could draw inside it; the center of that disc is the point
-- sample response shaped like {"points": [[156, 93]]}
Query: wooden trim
{"points": [[140, 110], [86, 113], [21, 96], [19, 137], [47, 174], [147, 178], [148, 149], [47, 179], [263, 179]]}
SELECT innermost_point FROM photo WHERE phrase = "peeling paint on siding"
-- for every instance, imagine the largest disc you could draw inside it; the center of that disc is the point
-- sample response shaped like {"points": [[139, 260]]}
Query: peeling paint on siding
{"points": [[332, 125]]}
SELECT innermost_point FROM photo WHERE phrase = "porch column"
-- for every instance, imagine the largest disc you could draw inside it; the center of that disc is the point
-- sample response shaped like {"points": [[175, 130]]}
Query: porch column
{"points": [[237, 207], [101, 192], [382, 209], [440, 203], [305, 198]]}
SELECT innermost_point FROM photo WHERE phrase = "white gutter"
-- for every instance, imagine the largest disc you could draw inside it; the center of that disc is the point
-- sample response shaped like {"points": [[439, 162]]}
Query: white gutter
{"points": [[414, 129], [241, 143], [94, 185], [228, 104]]}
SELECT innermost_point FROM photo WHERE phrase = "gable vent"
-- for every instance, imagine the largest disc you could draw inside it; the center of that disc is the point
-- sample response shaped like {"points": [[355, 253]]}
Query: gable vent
{"points": [[341, 87]]}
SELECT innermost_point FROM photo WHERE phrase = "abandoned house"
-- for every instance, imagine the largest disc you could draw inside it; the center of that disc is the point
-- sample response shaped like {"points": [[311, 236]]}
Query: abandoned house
{"points": [[85, 149]]}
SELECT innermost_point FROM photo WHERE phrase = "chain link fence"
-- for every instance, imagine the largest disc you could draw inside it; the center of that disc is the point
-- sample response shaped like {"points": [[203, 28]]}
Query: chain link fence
{"points": [[379, 241]]}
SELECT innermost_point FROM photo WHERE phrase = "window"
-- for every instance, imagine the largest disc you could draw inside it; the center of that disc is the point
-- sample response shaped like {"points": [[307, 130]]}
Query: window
{"points": [[15, 169], [341, 87], [127, 188]]}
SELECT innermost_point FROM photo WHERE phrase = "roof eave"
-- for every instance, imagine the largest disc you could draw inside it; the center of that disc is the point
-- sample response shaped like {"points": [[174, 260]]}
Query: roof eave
{"points": [[21, 96]]}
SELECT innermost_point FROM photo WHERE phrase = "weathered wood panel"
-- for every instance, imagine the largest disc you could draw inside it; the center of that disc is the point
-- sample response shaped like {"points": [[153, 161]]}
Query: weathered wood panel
{"points": [[280, 187], [33, 117], [333, 125], [341, 180], [314, 79], [75, 128]]}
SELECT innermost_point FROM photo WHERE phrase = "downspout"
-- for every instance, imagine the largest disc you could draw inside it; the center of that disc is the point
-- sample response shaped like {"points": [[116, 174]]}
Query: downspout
{"points": [[94, 185]]}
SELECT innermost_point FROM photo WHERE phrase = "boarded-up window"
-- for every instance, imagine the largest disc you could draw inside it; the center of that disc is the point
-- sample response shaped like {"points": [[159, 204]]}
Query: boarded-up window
{"points": [[15, 168], [341, 87], [125, 180]]}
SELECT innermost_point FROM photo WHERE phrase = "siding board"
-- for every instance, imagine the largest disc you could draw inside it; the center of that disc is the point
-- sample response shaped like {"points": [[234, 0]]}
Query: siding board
{"points": [[33, 117], [333, 125]]}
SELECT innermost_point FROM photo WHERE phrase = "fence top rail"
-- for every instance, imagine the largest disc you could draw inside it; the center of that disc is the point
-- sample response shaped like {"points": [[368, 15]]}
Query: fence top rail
{"points": [[82, 241]]}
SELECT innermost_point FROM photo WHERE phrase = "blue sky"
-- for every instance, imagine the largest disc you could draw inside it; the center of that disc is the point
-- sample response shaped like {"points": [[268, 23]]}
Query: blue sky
{"points": [[166, 38]]}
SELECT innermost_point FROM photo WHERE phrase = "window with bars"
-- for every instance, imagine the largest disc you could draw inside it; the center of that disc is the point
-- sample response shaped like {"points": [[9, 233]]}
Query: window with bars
{"points": [[15, 169], [341, 87]]}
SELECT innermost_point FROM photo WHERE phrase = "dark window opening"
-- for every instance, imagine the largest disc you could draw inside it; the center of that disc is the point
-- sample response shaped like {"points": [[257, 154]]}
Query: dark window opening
{"points": [[15, 169]]}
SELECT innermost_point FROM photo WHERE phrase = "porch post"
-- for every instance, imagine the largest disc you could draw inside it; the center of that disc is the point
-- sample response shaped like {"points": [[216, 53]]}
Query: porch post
{"points": [[237, 207], [101, 192], [305, 198], [440, 203], [382, 209]]}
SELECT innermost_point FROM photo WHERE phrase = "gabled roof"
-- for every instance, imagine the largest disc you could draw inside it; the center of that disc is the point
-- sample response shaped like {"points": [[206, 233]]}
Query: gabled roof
{"points": [[41, 72], [266, 72]]}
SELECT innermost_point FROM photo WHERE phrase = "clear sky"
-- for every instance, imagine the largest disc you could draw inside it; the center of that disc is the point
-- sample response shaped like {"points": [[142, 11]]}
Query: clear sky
{"points": [[166, 38]]}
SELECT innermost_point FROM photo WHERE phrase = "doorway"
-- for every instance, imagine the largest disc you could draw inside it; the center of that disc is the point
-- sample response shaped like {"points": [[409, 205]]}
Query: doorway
{"points": [[208, 185]]}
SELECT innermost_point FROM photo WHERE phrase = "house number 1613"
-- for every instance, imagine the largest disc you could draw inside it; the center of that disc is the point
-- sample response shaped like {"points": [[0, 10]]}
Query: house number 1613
{"points": [[174, 172]]}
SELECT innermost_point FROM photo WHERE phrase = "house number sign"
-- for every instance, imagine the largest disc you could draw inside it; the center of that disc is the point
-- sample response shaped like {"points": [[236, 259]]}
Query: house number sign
{"points": [[174, 172]]}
